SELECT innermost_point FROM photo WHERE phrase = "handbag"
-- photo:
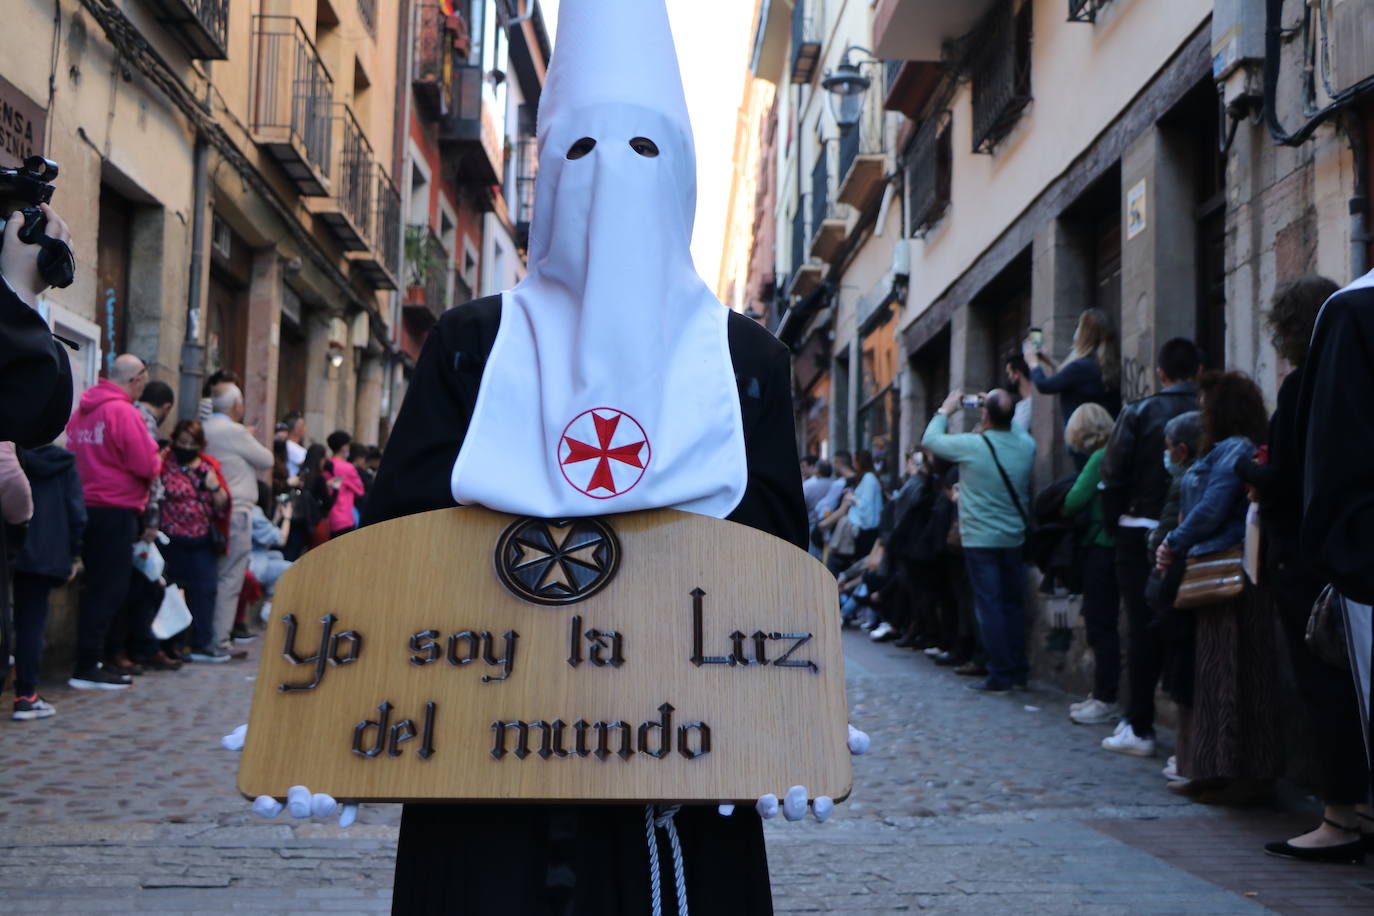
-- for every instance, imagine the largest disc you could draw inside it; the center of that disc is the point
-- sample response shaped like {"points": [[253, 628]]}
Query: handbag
{"points": [[1212, 579], [1325, 637], [173, 615], [844, 537]]}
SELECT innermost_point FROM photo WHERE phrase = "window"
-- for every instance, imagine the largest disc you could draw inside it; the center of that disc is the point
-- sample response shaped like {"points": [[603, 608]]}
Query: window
{"points": [[929, 167], [1001, 72]]}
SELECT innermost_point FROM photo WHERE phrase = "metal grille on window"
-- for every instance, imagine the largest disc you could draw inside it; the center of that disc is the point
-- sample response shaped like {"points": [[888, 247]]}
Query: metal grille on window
{"points": [[820, 187], [1085, 10], [928, 173], [1001, 73]]}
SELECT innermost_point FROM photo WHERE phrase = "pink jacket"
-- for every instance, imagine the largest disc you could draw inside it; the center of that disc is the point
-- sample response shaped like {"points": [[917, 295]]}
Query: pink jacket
{"points": [[115, 456], [341, 514]]}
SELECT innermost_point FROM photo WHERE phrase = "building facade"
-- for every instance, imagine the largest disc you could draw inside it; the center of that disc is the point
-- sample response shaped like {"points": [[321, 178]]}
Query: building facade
{"points": [[1170, 162], [290, 189]]}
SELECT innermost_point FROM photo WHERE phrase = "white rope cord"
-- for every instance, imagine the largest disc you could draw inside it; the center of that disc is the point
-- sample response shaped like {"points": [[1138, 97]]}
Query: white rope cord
{"points": [[664, 819], [655, 884]]}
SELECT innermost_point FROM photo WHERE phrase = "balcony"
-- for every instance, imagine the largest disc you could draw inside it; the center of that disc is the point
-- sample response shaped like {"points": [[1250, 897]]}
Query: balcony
{"points": [[827, 227], [526, 171], [427, 272], [201, 25], [436, 35], [468, 134], [910, 85], [380, 264], [1001, 74], [806, 39], [292, 102], [771, 36], [929, 163], [348, 213], [919, 29], [805, 275], [863, 154]]}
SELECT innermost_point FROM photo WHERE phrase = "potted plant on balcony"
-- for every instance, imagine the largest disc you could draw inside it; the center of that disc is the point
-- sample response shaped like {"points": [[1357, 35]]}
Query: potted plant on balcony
{"points": [[419, 263]]}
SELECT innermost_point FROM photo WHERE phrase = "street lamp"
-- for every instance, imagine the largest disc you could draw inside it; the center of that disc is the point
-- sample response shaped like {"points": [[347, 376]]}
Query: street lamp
{"points": [[847, 86]]}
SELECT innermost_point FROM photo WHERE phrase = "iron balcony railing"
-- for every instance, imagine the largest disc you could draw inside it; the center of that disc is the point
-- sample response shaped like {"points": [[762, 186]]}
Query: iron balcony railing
{"points": [[820, 187], [801, 232], [386, 229], [353, 187], [293, 96], [928, 173], [201, 25], [891, 70], [806, 39], [436, 283], [1085, 10], [526, 171], [1001, 74], [367, 12], [431, 70]]}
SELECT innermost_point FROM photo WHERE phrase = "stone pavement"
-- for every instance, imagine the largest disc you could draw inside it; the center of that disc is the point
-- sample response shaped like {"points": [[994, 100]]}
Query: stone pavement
{"points": [[993, 804]]}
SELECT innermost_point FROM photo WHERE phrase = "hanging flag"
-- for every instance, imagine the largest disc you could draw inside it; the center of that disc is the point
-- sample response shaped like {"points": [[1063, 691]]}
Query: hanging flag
{"points": [[447, 7]]}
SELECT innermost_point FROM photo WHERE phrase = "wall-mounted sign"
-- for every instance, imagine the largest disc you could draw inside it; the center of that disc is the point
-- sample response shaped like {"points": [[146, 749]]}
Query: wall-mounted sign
{"points": [[1136, 215], [22, 121]]}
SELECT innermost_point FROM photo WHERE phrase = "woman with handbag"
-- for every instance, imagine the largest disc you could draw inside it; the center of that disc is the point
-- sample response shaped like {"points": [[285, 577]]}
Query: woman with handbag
{"points": [[1291, 587], [1235, 750], [194, 516]]}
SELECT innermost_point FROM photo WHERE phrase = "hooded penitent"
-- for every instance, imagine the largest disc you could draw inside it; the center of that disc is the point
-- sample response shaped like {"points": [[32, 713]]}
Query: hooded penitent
{"points": [[609, 387]]}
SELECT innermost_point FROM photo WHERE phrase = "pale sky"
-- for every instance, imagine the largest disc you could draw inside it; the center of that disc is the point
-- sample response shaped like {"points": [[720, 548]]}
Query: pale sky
{"points": [[713, 45]]}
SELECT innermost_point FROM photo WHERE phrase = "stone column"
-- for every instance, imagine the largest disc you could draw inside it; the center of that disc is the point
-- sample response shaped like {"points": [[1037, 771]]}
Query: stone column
{"points": [[1060, 291], [1158, 261], [968, 361], [264, 339], [320, 384], [368, 409]]}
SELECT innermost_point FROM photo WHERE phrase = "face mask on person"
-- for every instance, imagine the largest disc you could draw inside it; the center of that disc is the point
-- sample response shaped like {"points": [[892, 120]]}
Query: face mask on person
{"points": [[185, 455], [1169, 465]]}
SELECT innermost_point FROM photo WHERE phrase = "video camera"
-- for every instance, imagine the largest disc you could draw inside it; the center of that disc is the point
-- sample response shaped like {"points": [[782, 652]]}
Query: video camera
{"points": [[22, 190]]}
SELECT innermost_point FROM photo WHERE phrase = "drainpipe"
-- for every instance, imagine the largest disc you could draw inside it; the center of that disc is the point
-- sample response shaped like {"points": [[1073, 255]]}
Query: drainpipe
{"points": [[1359, 200], [192, 350]]}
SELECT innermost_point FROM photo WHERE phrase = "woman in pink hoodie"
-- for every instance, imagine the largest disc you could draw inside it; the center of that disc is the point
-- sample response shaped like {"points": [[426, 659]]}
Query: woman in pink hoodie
{"points": [[343, 479]]}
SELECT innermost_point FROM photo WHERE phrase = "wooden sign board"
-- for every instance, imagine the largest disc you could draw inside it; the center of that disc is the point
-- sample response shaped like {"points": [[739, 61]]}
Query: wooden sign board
{"points": [[465, 655]]}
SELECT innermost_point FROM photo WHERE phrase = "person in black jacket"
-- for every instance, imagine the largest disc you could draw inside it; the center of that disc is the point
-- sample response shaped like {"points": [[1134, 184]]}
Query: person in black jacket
{"points": [[1292, 585], [48, 558], [35, 375], [1134, 484]]}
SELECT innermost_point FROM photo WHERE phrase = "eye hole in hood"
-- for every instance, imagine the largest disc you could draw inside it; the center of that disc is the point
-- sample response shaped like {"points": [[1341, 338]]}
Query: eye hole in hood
{"points": [[645, 147], [581, 148]]}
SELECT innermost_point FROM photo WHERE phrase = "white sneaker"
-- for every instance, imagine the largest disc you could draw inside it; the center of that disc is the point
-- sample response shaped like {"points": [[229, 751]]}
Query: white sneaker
{"points": [[1170, 771], [266, 613], [1074, 707], [882, 632], [1095, 712], [1126, 741]]}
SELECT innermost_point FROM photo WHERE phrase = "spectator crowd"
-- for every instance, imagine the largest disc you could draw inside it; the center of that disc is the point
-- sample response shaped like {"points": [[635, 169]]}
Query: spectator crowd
{"points": [[175, 530], [1175, 532]]}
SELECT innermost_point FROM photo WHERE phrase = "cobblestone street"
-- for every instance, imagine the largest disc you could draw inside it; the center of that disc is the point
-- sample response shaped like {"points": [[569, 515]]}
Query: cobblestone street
{"points": [[968, 803]]}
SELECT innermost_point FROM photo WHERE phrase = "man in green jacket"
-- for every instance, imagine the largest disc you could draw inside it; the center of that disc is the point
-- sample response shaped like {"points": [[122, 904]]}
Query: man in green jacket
{"points": [[994, 505]]}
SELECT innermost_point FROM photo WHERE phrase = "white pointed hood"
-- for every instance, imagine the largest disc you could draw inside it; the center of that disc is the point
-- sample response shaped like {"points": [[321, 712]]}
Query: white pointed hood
{"points": [[610, 386]]}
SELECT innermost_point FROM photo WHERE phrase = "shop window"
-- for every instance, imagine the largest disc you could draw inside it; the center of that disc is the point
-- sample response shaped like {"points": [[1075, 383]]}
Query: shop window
{"points": [[112, 272]]}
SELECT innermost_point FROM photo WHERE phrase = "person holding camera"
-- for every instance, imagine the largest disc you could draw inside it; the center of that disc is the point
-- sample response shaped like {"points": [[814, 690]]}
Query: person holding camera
{"points": [[994, 475]]}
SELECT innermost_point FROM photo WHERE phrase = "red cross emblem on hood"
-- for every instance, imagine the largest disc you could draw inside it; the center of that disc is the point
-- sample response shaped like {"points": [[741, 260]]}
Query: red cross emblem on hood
{"points": [[603, 452]]}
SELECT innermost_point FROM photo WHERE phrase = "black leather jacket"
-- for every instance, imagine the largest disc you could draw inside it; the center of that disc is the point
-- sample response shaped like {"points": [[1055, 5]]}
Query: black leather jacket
{"points": [[1134, 481]]}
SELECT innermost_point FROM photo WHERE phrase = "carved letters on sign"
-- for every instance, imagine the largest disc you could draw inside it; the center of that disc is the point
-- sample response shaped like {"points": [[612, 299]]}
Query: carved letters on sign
{"points": [[676, 676]]}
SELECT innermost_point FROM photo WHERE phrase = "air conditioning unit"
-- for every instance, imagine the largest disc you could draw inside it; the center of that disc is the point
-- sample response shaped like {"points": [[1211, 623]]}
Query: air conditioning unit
{"points": [[1350, 31]]}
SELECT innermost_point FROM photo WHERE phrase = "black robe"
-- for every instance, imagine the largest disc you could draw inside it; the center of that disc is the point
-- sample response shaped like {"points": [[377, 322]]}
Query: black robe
{"points": [[587, 860], [1336, 422]]}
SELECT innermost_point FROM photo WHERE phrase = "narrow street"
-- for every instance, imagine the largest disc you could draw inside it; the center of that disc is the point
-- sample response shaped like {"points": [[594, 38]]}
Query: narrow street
{"points": [[967, 803]]}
